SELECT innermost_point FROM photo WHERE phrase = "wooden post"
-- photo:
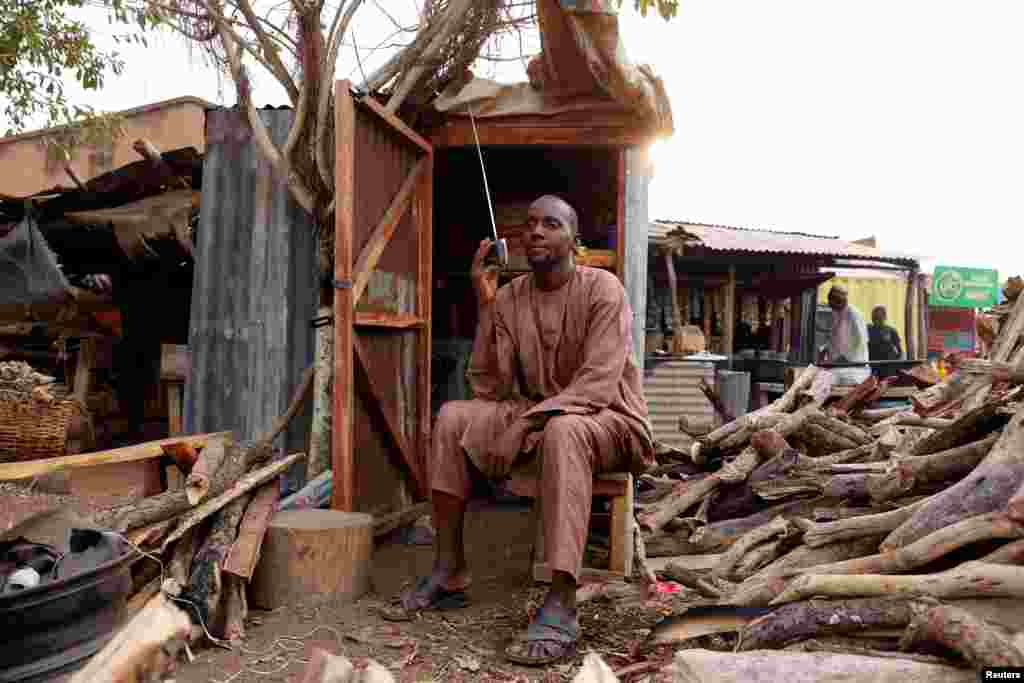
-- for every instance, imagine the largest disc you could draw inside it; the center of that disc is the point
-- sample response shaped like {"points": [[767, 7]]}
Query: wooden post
{"points": [[423, 222], [635, 244], [673, 288], [729, 315], [908, 314], [344, 306], [706, 305], [922, 318]]}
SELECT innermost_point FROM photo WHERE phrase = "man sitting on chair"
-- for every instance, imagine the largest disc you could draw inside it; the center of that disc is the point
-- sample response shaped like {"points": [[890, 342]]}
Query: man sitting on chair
{"points": [[553, 377]]}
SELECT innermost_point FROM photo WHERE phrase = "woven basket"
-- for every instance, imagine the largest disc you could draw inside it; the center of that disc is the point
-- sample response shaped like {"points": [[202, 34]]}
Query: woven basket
{"points": [[34, 429]]}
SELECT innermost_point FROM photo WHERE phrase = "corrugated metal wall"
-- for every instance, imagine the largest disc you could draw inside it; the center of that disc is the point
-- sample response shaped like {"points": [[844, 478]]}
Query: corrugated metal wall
{"points": [[672, 389], [254, 291]]}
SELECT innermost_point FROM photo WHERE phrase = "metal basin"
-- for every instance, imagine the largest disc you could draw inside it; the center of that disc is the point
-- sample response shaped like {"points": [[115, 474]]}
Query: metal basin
{"points": [[54, 628]]}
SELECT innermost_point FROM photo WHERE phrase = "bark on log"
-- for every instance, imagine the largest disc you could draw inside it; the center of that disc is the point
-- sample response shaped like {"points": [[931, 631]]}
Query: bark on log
{"points": [[847, 486], [739, 468], [205, 587], [692, 579], [1011, 553], [320, 430], [761, 588], [995, 525], [241, 488], [684, 496], [236, 607], [821, 441], [707, 666], [971, 426], [969, 580], [816, 534], [722, 534], [860, 646], [716, 401], [740, 429], [197, 483], [994, 371], [760, 556], [184, 552], [878, 414], [778, 527], [926, 422], [980, 643], [844, 429], [740, 500], [1015, 506], [953, 388], [813, 618], [907, 473], [856, 399], [139, 650], [987, 489]]}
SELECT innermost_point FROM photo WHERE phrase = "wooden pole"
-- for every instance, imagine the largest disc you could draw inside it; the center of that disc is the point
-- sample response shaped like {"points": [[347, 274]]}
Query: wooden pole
{"points": [[670, 266], [908, 314], [344, 306], [729, 315], [423, 220], [922, 318]]}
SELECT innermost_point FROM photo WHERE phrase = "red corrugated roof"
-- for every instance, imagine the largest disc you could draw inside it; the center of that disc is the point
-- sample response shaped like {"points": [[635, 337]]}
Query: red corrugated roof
{"points": [[726, 238]]}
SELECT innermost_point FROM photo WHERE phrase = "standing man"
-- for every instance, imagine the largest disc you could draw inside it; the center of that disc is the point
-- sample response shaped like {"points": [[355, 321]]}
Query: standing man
{"points": [[849, 340], [883, 340], [553, 378]]}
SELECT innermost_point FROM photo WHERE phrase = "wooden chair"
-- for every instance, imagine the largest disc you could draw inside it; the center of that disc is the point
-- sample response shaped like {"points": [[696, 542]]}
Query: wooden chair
{"points": [[616, 485]]}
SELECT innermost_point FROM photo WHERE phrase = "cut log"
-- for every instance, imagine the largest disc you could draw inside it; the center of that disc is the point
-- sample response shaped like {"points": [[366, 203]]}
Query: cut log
{"points": [[980, 643], [953, 388], [205, 588], [694, 580], [181, 558], [777, 528], [847, 486], [640, 552], [760, 589], [971, 426], [245, 551], [815, 618], [848, 431], [1011, 553], [821, 441], [768, 444], [857, 398], [878, 414], [987, 489], [197, 483], [995, 525], [907, 473], [926, 422], [685, 495], [314, 554], [860, 646], [739, 500], [240, 488], [716, 401], [994, 371], [969, 580], [819, 534], [760, 556], [10, 471], [708, 666], [1015, 506], [139, 651], [718, 536], [739, 430]]}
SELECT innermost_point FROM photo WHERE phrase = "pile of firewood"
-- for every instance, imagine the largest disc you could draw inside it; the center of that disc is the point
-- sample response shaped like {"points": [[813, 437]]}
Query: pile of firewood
{"points": [[207, 533], [830, 527]]}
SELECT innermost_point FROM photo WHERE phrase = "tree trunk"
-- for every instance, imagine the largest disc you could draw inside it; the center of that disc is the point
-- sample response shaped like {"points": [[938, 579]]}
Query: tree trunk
{"points": [[980, 643], [778, 527], [816, 534], [761, 588], [907, 473], [707, 666], [939, 543], [197, 483], [320, 433], [969, 580], [813, 618], [987, 489], [205, 584], [684, 496]]}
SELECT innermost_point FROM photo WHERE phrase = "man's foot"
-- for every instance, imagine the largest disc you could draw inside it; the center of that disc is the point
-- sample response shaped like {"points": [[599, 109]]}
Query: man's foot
{"points": [[429, 592], [551, 636]]}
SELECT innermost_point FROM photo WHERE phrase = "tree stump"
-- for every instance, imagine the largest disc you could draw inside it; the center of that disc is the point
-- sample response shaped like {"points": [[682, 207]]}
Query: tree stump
{"points": [[312, 554]]}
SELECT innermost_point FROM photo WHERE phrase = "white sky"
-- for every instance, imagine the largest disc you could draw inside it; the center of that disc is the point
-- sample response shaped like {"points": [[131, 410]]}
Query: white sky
{"points": [[901, 120]]}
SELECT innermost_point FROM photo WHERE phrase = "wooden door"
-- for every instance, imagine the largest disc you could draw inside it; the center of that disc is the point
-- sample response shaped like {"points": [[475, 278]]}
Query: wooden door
{"points": [[382, 280]]}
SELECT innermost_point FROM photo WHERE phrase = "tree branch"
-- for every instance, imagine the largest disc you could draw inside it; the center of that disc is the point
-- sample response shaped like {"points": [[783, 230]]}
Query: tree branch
{"points": [[275, 66]]}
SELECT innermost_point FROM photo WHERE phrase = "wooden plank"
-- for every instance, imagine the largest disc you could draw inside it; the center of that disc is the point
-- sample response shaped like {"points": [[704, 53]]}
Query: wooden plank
{"points": [[400, 321], [245, 551], [376, 399], [83, 368], [344, 303], [174, 416], [384, 231], [396, 123], [621, 536], [729, 315], [151, 449], [423, 223]]}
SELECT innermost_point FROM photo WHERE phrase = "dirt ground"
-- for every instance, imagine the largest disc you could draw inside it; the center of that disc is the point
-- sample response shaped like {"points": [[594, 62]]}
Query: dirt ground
{"points": [[460, 645]]}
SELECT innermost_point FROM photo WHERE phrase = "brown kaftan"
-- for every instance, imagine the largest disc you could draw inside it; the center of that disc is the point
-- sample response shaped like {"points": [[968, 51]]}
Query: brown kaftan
{"points": [[554, 370]]}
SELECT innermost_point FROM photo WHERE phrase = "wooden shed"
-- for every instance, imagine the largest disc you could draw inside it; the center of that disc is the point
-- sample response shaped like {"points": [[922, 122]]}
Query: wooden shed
{"points": [[411, 209]]}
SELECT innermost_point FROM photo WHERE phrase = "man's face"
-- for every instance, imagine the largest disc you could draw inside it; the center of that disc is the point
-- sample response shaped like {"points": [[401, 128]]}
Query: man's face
{"points": [[550, 234], [878, 316], [836, 300]]}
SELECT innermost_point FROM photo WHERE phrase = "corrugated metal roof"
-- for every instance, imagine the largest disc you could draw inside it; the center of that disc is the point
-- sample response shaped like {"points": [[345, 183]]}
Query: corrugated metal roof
{"points": [[724, 238], [254, 290], [671, 389]]}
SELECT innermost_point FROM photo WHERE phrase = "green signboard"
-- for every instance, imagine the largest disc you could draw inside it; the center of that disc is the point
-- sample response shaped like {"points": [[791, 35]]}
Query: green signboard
{"points": [[964, 287]]}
